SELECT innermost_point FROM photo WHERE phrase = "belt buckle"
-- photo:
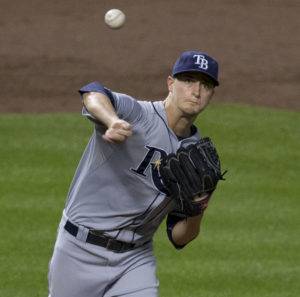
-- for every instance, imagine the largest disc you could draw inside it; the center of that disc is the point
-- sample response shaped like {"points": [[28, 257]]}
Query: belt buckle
{"points": [[114, 245]]}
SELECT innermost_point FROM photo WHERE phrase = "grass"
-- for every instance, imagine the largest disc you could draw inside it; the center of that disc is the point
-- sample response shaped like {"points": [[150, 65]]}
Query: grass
{"points": [[249, 243]]}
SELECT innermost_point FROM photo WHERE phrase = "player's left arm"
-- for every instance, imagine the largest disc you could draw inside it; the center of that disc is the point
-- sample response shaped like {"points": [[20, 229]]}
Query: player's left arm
{"points": [[186, 230], [190, 177], [181, 230]]}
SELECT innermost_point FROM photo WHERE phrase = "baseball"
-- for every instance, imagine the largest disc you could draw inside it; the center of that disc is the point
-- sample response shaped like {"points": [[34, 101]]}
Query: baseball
{"points": [[114, 18]]}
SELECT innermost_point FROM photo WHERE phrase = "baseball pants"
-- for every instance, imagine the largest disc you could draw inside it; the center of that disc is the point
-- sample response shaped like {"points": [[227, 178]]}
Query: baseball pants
{"points": [[80, 269]]}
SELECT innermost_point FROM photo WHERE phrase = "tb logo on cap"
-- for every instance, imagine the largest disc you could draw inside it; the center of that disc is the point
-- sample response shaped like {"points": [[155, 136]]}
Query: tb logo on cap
{"points": [[201, 61]]}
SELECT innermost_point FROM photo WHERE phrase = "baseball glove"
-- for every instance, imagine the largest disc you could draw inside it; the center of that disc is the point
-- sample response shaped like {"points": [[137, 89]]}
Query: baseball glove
{"points": [[193, 172]]}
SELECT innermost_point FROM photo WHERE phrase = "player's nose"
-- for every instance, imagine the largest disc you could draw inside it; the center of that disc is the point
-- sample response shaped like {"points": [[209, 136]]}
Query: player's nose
{"points": [[197, 89]]}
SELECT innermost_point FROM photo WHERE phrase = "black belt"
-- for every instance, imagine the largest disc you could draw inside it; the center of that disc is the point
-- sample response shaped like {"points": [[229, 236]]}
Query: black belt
{"points": [[101, 240]]}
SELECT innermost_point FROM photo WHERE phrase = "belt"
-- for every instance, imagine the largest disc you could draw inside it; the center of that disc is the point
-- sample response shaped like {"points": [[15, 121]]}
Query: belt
{"points": [[101, 240]]}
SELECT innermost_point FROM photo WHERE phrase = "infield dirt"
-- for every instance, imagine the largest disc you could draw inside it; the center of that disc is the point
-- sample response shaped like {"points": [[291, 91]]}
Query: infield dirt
{"points": [[51, 48]]}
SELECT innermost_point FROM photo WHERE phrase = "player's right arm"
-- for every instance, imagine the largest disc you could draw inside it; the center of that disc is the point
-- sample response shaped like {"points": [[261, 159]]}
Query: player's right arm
{"points": [[115, 111], [100, 107]]}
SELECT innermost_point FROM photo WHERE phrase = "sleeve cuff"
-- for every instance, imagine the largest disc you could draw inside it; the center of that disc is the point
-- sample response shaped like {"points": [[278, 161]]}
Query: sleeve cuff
{"points": [[97, 87]]}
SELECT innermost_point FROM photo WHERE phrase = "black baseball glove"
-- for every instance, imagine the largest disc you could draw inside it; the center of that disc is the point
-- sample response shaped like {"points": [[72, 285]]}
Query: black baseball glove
{"points": [[193, 172]]}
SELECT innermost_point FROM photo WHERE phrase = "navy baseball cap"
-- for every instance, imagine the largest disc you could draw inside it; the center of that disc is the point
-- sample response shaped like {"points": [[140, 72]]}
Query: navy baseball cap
{"points": [[195, 61]]}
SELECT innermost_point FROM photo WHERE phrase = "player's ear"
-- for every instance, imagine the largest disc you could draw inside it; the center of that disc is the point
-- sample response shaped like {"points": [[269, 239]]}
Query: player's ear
{"points": [[170, 82]]}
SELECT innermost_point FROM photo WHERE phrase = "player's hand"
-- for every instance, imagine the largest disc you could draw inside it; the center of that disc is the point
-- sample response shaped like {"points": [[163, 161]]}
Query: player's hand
{"points": [[118, 131]]}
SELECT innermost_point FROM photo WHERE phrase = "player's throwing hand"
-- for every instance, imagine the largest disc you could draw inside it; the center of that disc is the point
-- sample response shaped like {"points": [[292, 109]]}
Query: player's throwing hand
{"points": [[118, 131]]}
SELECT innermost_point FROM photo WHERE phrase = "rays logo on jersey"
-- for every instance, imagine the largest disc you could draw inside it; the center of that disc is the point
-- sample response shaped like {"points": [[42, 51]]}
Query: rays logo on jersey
{"points": [[141, 169]]}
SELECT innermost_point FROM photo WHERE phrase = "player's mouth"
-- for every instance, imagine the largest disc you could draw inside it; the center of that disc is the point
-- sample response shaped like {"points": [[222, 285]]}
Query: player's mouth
{"points": [[195, 101]]}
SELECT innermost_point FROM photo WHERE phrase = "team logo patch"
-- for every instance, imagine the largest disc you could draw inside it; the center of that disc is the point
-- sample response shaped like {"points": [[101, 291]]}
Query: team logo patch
{"points": [[154, 165]]}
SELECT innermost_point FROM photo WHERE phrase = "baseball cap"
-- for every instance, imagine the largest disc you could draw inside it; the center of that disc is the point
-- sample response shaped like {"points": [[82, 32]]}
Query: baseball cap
{"points": [[195, 61]]}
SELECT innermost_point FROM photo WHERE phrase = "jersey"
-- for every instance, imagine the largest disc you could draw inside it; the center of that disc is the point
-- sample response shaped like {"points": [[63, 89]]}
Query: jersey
{"points": [[116, 187]]}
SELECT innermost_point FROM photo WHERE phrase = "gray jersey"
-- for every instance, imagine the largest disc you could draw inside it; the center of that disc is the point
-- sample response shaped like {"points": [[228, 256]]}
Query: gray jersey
{"points": [[116, 187]]}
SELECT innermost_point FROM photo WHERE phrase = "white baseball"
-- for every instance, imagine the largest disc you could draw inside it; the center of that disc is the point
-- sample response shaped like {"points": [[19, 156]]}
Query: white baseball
{"points": [[115, 18]]}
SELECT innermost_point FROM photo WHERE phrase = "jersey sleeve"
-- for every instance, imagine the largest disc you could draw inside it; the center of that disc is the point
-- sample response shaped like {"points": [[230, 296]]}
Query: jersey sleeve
{"points": [[97, 87], [127, 108]]}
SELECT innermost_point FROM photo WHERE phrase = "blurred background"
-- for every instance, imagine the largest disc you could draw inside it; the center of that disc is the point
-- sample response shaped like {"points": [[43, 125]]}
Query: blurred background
{"points": [[50, 48]]}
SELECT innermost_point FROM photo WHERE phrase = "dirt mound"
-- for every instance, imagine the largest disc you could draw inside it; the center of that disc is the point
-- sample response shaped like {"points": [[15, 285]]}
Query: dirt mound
{"points": [[50, 48]]}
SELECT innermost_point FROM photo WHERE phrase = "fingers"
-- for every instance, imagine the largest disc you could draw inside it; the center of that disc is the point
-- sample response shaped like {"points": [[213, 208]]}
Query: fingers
{"points": [[118, 132], [116, 137]]}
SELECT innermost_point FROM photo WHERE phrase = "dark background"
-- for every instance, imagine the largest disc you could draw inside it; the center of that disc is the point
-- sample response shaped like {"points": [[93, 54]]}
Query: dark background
{"points": [[51, 48]]}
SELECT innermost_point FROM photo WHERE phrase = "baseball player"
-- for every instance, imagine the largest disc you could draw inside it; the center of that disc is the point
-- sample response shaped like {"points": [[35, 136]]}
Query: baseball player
{"points": [[117, 199]]}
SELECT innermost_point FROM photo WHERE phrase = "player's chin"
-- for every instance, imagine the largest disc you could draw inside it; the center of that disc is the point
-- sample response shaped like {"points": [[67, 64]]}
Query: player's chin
{"points": [[200, 106], [193, 109]]}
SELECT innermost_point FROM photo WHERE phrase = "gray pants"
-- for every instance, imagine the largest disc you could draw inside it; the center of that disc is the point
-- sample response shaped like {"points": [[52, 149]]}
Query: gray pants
{"points": [[80, 269]]}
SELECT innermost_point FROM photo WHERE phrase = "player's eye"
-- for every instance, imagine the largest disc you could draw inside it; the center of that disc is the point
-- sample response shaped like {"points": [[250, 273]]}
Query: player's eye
{"points": [[207, 84], [189, 80]]}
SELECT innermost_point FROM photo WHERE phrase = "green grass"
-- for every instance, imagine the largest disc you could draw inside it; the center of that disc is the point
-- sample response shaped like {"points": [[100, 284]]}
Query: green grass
{"points": [[249, 243]]}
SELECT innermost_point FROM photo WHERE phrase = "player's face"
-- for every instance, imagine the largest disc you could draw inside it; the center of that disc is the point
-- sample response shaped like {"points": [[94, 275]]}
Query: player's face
{"points": [[191, 92]]}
